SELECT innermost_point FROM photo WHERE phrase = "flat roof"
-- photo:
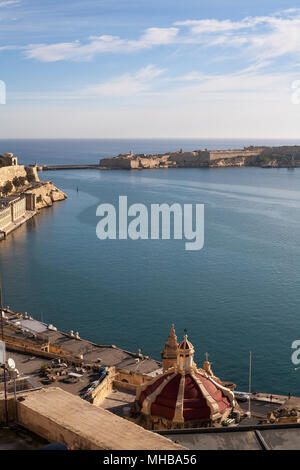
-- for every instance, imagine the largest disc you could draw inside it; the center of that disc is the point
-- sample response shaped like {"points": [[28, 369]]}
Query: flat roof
{"points": [[108, 355], [257, 437], [32, 325], [81, 425]]}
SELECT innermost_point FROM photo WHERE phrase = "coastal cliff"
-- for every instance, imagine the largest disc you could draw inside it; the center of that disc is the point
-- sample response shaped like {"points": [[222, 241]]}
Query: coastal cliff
{"points": [[46, 194]]}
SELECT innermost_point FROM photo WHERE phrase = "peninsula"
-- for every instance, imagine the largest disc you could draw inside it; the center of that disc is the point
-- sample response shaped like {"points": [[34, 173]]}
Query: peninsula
{"points": [[266, 157], [22, 194]]}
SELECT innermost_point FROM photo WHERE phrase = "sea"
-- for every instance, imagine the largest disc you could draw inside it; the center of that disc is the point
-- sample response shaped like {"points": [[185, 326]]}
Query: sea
{"points": [[241, 292]]}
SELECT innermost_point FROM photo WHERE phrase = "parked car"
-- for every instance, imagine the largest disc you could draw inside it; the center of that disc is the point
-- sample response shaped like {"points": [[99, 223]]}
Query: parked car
{"points": [[241, 396]]}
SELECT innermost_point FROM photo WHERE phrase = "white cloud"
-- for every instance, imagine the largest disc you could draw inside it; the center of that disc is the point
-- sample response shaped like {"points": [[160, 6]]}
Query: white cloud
{"points": [[159, 36], [78, 51], [127, 84], [258, 38], [8, 3]]}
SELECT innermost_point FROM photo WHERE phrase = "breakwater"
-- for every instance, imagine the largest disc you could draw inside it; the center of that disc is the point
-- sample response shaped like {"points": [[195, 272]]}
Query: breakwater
{"points": [[68, 167]]}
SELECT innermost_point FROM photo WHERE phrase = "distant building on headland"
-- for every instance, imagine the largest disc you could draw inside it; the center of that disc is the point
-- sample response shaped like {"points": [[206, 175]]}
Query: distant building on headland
{"points": [[8, 159], [180, 159]]}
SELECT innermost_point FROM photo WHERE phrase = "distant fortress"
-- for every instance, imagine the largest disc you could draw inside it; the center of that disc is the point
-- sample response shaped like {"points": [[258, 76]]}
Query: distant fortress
{"points": [[268, 157]]}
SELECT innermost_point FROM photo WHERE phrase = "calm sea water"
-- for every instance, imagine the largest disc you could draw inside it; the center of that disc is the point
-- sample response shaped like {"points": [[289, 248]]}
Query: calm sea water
{"points": [[240, 292]]}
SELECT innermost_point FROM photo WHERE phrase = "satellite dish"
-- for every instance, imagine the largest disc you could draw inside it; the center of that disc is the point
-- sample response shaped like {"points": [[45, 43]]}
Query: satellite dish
{"points": [[11, 363]]}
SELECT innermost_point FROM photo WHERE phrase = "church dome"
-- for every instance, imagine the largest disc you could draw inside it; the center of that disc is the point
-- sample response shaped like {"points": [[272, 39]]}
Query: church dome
{"points": [[185, 344], [178, 397], [182, 393]]}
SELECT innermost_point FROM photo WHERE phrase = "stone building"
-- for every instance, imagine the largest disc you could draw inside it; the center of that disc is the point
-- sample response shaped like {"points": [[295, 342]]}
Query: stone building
{"points": [[13, 208], [183, 396], [8, 159], [169, 354]]}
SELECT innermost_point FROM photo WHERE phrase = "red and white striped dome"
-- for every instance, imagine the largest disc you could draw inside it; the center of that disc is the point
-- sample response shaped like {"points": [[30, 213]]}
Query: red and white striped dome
{"points": [[180, 397], [185, 344]]}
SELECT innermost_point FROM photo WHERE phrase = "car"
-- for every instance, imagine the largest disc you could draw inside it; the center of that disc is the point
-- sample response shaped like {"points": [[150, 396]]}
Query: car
{"points": [[241, 396]]}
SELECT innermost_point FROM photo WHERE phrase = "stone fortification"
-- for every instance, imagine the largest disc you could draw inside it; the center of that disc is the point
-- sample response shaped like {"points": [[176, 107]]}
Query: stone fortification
{"points": [[171, 160], [46, 194]]}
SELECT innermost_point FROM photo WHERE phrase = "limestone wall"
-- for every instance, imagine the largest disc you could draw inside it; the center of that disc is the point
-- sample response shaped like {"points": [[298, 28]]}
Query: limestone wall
{"points": [[222, 154], [46, 194], [175, 159], [104, 388], [190, 159], [58, 416], [130, 380], [8, 173], [116, 162]]}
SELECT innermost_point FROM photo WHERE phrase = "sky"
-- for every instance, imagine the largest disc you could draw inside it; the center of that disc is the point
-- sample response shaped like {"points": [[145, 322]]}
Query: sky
{"points": [[150, 68]]}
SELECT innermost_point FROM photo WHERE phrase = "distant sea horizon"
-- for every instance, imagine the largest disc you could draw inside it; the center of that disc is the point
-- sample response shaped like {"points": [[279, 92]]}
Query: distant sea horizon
{"points": [[90, 150]]}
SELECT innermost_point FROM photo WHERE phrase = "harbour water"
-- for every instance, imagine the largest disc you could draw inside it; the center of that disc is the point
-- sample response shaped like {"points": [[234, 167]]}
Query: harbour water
{"points": [[240, 292]]}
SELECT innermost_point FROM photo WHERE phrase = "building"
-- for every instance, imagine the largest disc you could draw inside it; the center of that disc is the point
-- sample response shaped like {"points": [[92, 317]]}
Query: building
{"points": [[14, 208], [183, 396], [8, 159], [169, 354]]}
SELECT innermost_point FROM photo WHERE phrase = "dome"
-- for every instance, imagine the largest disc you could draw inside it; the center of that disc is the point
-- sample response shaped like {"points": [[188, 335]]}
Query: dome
{"points": [[182, 396], [179, 398], [185, 344]]}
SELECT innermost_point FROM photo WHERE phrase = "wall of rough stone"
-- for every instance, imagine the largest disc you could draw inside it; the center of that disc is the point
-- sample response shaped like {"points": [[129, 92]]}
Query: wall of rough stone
{"points": [[8, 173], [32, 174], [46, 194], [190, 159], [222, 154], [116, 162]]}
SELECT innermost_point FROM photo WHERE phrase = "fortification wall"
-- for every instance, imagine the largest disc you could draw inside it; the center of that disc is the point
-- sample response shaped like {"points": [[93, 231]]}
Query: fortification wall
{"points": [[116, 162], [8, 173], [176, 159], [46, 194], [190, 159], [222, 154]]}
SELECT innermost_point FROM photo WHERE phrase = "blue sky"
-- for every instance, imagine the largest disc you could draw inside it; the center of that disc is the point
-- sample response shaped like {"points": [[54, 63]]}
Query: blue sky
{"points": [[137, 68]]}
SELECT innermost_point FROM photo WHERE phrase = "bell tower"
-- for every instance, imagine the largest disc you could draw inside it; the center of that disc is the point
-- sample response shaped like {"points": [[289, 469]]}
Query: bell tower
{"points": [[169, 354]]}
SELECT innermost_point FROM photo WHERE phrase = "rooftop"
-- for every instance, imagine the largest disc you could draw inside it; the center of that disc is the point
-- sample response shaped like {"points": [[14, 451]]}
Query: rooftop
{"points": [[264, 437], [80, 425]]}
